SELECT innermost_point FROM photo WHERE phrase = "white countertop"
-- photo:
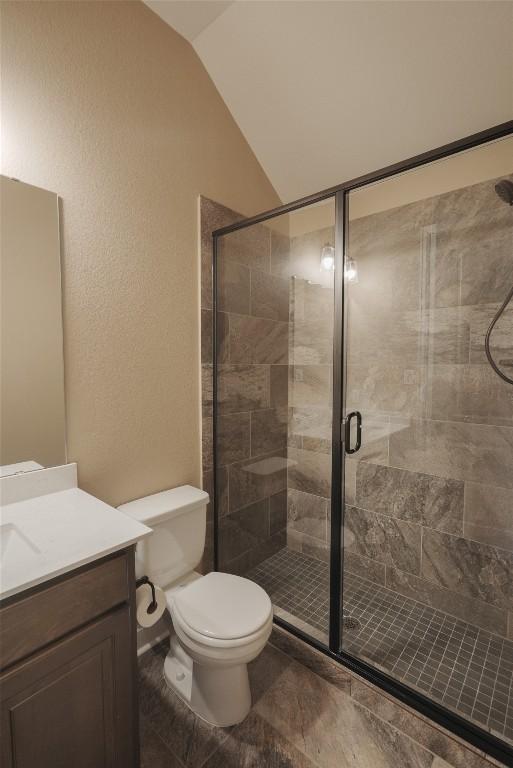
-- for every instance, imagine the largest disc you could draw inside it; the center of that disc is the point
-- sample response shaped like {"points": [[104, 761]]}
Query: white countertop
{"points": [[46, 535]]}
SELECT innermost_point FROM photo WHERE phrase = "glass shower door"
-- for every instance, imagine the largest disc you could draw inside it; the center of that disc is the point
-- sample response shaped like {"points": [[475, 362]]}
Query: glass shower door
{"points": [[428, 513], [272, 448]]}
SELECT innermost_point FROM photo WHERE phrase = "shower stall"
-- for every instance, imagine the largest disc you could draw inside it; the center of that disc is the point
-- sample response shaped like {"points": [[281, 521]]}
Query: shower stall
{"points": [[362, 444]]}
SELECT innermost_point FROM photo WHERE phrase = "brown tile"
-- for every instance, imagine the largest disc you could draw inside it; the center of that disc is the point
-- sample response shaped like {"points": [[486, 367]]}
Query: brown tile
{"points": [[383, 538], [207, 559], [472, 393], [185, 735], [242, 388], [269, 296], [265, 671], [311, 385], [481, 315], [436, 502], [365, 567], [411, 338], [243, 530], [454, 603], [314, 716], [474, 232], [279, 385], [375, 438], [255, 744], [268, 431], [222, 490], [233, 287], [350, 469], [248, 560], [386, 247], [469, 567], [311, 422], [207, 373], [433, 738], [250, 246], [206, 439], [305, 254], [462, 451], [278, 512], [331, 671], [206, 335], [494, 537], [308, 545], [307, 513], [212, 216], [394, 389], [154, 753], [223, 337], [233, 437], [258, 340], [316, 444], [280, 254], [488, 515], [256, 479], [206, 276], [312, 342], [309, 472]]}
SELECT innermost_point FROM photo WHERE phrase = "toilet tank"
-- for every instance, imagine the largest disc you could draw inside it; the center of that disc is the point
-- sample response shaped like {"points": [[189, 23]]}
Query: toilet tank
{"points": [[178, 518]]}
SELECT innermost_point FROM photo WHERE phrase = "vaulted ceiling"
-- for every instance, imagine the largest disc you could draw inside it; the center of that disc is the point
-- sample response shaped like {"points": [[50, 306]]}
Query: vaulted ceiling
{"points": [[325, 91]]}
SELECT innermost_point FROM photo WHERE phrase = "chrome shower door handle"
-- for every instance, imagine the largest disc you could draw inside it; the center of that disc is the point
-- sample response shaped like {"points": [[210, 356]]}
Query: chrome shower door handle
{"points": [[347, 433]]}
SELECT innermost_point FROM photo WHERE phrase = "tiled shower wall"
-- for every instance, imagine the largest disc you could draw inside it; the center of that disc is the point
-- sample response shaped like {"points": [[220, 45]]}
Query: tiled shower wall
{"points": [[253, 329], [432, 491], [430, 498], [310, 395]]}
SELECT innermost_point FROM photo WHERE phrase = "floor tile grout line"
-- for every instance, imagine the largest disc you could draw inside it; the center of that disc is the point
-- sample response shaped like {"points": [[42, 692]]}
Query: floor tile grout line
{"points": [[437, 640], [161, 740]]}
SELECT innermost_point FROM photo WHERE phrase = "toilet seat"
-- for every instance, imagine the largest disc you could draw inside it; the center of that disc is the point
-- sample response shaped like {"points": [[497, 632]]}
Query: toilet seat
{"points": [[221, 610]]}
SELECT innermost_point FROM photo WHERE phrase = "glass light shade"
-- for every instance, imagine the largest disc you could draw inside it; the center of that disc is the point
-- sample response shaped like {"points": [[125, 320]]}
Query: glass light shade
{"points": [[351, 271], [328, 258]]}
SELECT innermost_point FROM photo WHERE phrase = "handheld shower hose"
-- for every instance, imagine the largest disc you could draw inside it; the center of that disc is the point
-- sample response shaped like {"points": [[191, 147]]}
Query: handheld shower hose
{"points": [[504, 190], [489, 333]]}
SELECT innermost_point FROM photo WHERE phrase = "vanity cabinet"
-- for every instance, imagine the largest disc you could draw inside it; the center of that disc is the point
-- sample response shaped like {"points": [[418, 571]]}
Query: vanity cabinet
{"points": [[68, 682]]}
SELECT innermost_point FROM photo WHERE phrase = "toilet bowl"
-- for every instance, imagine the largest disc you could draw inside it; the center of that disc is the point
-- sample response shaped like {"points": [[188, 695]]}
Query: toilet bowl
{"points": [[221, 622]]}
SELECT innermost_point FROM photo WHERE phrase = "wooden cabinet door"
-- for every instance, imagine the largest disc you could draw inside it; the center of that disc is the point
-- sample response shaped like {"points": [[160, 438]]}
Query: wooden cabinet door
{"points": [[71, 705]]}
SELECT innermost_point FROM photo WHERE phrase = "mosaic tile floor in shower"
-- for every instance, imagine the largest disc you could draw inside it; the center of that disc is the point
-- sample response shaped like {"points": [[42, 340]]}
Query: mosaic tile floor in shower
{"points": [[466, 668]]}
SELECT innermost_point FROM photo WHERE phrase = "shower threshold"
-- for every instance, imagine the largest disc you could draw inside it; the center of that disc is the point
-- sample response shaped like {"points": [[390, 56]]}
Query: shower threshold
{"points": [[465, 668]]}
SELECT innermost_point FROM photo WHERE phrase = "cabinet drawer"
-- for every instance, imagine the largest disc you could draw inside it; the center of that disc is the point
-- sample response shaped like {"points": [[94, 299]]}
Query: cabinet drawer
{"points": [[51, 611]]}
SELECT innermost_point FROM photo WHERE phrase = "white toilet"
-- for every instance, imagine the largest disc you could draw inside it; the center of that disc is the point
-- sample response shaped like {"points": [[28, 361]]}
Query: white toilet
{"points": [[221, 621]]}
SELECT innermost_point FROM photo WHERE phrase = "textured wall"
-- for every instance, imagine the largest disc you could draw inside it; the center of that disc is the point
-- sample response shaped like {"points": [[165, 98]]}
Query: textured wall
{"points": [[106, 105]]}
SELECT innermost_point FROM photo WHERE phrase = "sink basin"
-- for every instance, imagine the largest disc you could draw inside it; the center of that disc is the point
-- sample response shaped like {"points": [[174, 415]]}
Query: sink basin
{"points": [[15, 546]]}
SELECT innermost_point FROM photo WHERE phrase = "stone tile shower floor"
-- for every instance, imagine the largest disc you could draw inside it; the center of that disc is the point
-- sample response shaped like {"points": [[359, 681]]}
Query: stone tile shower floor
{"points": [[308, 712], [466, 668]]}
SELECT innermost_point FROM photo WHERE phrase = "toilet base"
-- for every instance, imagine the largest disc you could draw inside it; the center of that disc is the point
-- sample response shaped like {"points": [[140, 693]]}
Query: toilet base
{"points": [[220, 695]]}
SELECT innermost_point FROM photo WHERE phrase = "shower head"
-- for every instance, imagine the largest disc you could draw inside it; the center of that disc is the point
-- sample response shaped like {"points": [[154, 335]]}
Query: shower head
{"points": [[504, 189]]}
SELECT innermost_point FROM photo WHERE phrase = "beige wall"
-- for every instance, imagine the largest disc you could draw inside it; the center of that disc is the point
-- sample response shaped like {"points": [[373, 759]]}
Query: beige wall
{"points": [[31, 367], [106, 105]]}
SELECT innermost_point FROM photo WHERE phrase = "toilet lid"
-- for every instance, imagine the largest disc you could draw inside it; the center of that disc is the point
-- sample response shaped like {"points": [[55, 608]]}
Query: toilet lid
{"points": [[223, 606]]}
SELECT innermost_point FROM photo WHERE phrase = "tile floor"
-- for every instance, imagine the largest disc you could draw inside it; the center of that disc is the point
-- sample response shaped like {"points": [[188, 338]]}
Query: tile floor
{"points": [[466, 668], [308, 712]]}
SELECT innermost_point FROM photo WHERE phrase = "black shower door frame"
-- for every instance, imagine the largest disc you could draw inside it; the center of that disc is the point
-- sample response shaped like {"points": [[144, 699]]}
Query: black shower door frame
{"points": [[476, 736]]}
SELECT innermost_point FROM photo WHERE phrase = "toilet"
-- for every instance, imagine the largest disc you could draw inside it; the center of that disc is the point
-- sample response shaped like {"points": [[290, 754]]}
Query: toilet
{"points": [[221, 622]]}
